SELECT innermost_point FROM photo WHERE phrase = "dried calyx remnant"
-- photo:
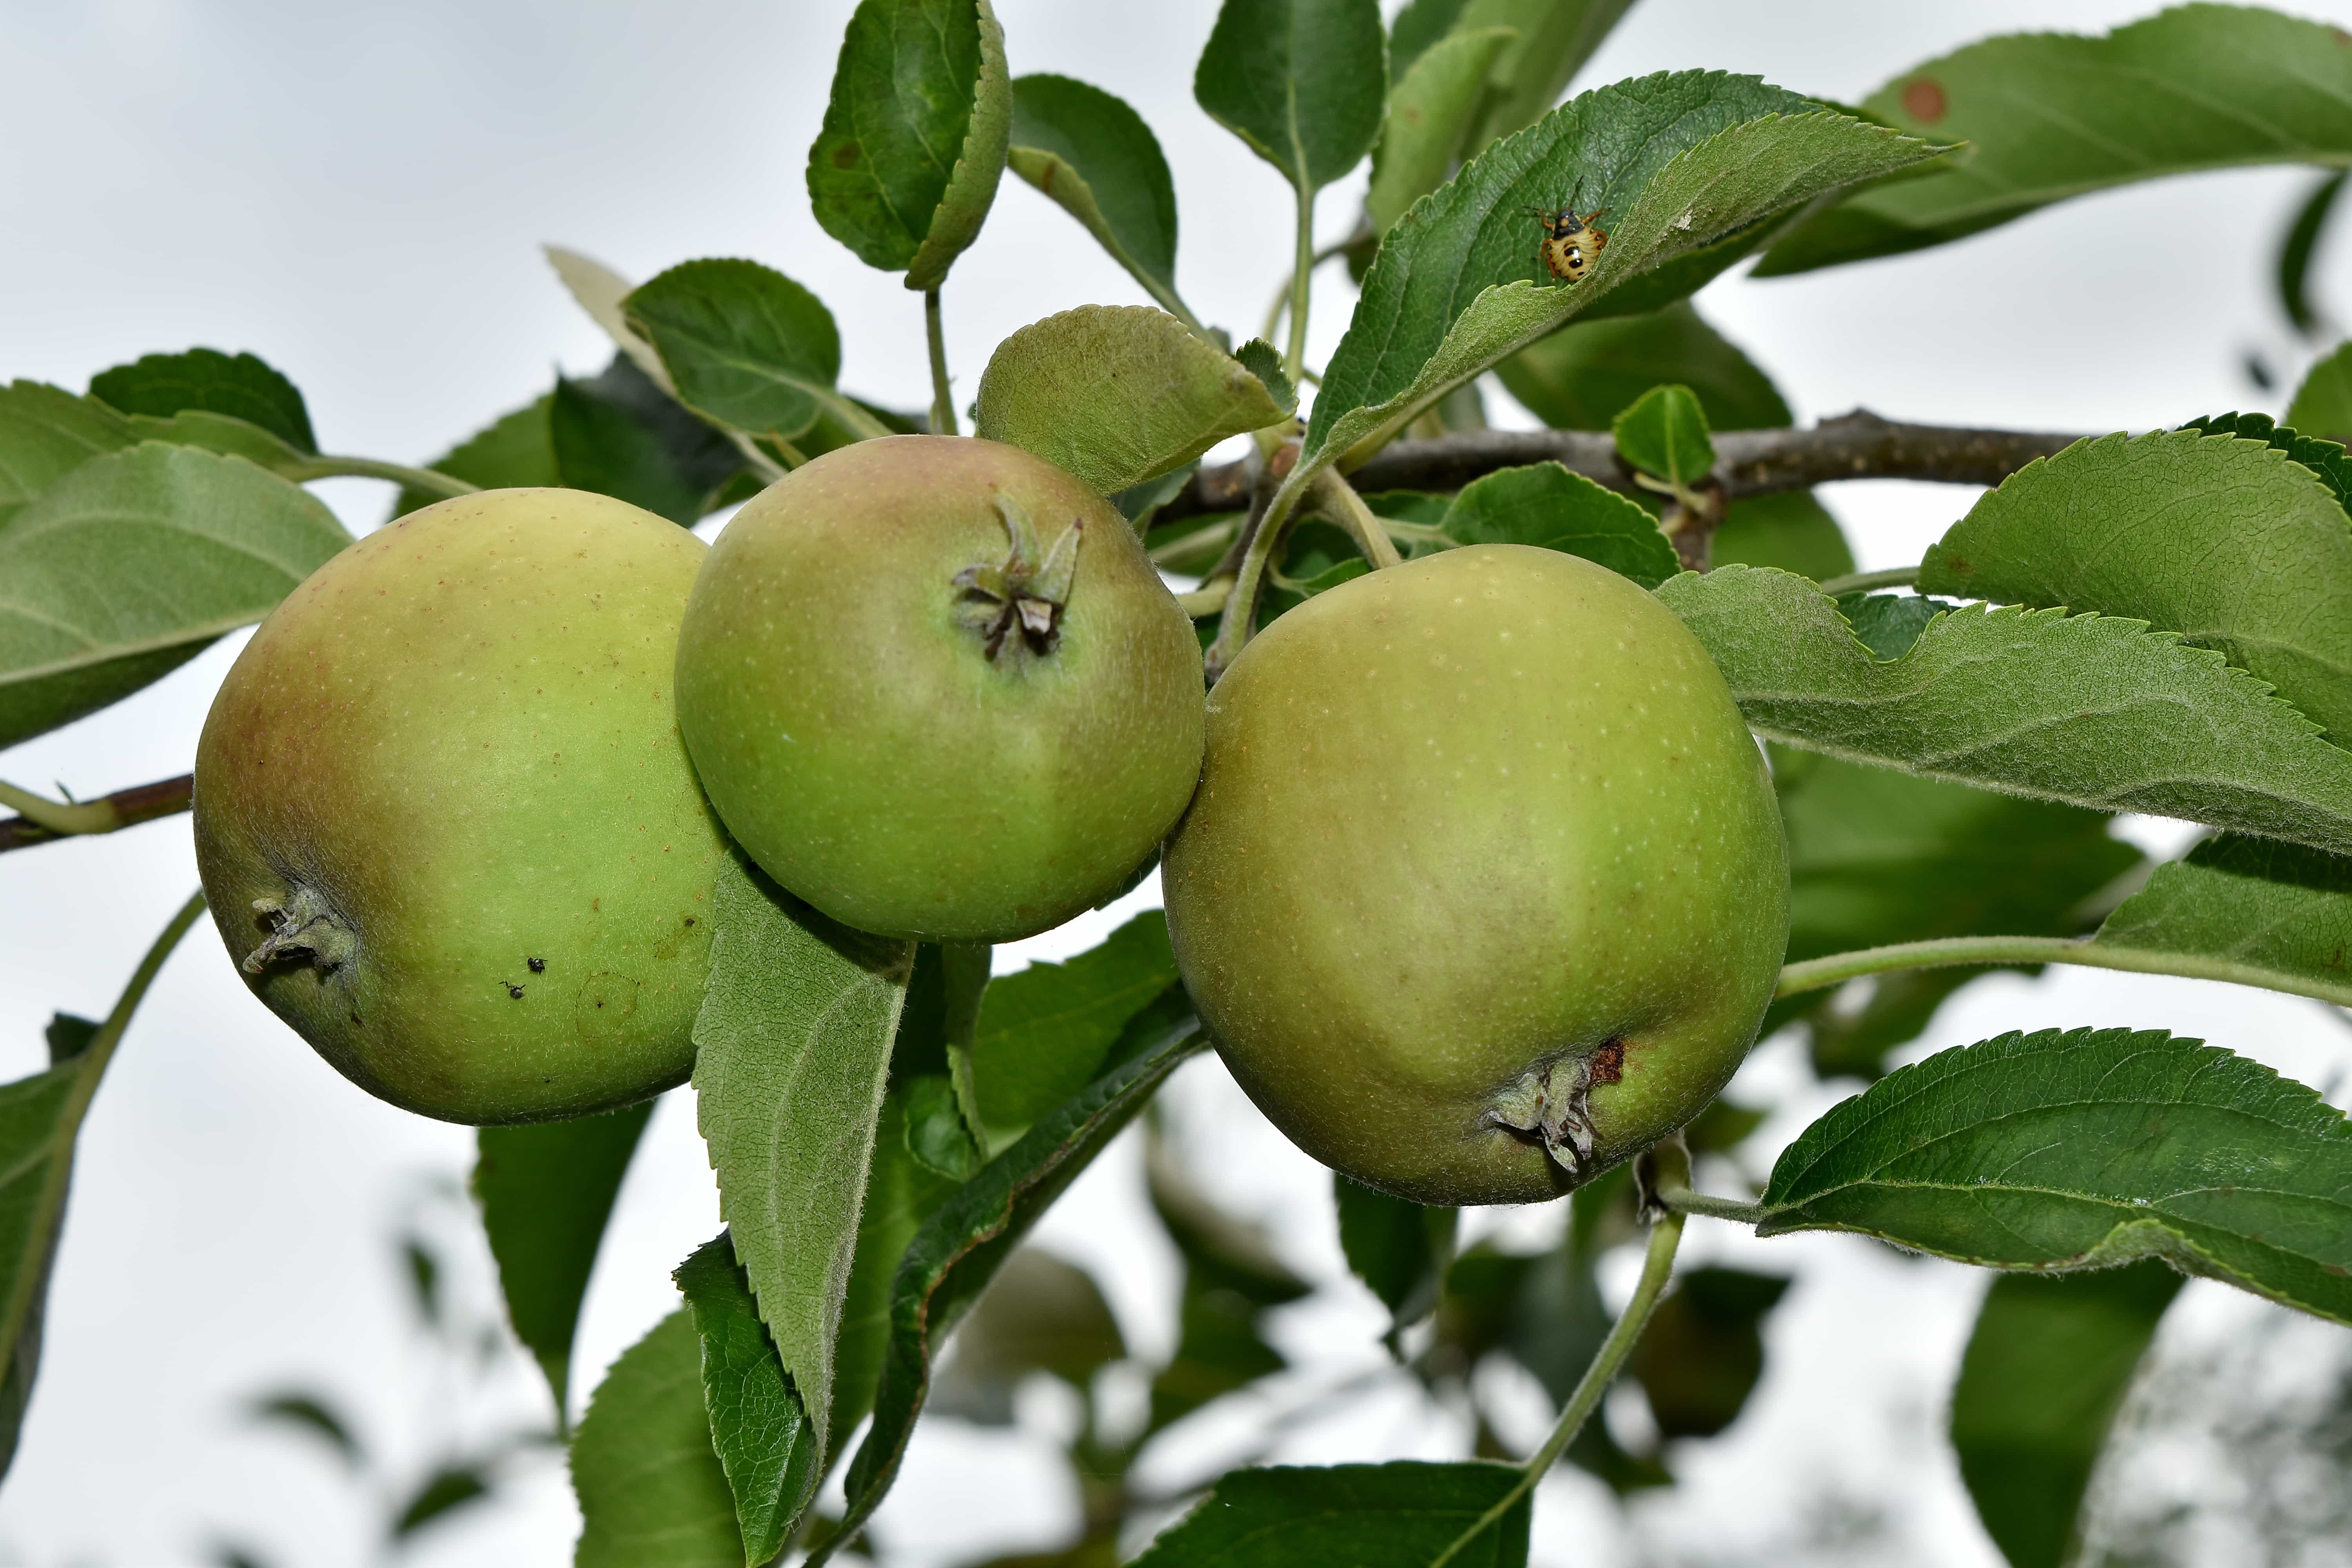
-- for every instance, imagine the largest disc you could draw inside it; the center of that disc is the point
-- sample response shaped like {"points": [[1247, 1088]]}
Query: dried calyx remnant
{"points": [[1550, 1103], [303, 923], [1024, 593]]}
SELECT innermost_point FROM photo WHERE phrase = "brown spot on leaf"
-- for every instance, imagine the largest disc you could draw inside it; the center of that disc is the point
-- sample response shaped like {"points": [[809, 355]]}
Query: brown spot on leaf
{"points": [[1923, 99], [847, 155]]}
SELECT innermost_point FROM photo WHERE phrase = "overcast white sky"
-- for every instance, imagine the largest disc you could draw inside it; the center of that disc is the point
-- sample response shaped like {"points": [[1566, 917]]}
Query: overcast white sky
{"points": [[357, 193]]}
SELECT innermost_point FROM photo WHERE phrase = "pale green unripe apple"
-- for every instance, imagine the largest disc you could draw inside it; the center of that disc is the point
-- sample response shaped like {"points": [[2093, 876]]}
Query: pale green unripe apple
{"points": [[443, 818], [935, 687], [1484, 889]]}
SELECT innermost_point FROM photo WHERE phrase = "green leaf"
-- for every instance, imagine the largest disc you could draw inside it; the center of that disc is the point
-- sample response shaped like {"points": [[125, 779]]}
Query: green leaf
{"points": [[1301, 83], [1791, 532], [1555, 37], [2224, 541], [914, 133], [2084, 1150], [1097, 160], [1039, 1314], [2323, 457], [128, 565], [1877, 856], [1686, 159], [2197, 87], [2084, 709], [46, 433], [1890, 624], [227, 435], [1430, 111], [619, 434], [240, 385], [652, 1491], [2046, 1369], [1264, 360], [1583, 377], [40, 1116], [1044, 1031], [307, 1413], [2295, 252], [743, 344], [1406, 1511], [1418, 26], [793, 1051], [2281, 912], [1117, 394], [1543, 504], [1399, 1250], [516, 451], [546, 1192], [901, 1192], [1664, 434], [959, 1248], [1703, 1351], [764, 1439], [2322, 404], [446, 1490]]}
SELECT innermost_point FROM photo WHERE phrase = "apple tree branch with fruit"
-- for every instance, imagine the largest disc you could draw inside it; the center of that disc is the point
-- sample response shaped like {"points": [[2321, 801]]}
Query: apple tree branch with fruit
{"points": [[1491, 777]]}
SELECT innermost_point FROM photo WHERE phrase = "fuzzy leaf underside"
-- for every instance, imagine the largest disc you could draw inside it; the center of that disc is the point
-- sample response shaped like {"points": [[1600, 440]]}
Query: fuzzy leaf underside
{"points": [[1117, 395], [2046, 116], [792, 1052], [45, 432], [2090, 710], [1429, 114], [2223, 540], [1675, 163], [132, 561], [960, 1245], [2087, 1149]]}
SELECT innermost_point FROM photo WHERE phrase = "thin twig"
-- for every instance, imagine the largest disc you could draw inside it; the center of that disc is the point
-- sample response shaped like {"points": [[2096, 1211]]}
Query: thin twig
{"points": [[1857, 446], [107, 813], [1658, 1263]]}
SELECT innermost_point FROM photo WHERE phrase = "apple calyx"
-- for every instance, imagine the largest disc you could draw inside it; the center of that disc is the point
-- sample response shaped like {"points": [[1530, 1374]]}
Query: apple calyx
{"points": [[303, 923], [1552, 1103], [1026, 591]]}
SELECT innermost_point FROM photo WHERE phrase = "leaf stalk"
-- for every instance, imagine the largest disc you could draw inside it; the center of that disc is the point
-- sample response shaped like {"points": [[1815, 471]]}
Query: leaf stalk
{"points": [[943, 418], [1818, 973]]}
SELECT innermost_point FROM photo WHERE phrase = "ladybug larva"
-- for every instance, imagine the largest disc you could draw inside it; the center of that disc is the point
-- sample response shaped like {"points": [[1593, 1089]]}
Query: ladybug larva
{"points": [[1570, 242]]}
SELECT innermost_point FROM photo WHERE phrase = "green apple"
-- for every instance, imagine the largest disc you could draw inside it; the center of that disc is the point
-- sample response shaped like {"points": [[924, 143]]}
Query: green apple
{"points": [[936, 689], [443, 818], [1483, 890]]}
